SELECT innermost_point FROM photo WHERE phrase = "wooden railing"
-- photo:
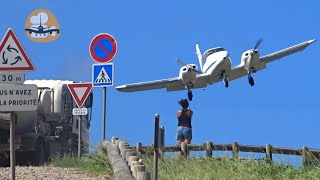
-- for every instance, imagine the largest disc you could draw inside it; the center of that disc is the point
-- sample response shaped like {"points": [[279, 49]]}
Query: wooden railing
{"points": [[309, 156]]}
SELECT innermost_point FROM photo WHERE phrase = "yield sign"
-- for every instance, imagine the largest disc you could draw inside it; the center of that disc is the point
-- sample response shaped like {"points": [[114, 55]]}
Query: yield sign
{"points": [[12, 55], [80, 92]]}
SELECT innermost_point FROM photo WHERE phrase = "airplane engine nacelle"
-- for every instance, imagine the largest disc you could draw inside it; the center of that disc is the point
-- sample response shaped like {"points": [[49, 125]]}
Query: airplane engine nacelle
{"points": [[250, 59], [188, 73]]}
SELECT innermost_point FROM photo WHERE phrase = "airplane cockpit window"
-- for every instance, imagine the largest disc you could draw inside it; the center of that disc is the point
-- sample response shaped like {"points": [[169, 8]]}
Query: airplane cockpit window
{"points": [[211, 51]]}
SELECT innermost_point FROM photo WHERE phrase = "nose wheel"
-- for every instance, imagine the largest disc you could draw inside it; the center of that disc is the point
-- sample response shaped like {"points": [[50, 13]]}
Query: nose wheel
{"points": [[226, 82], [251, 81], [190, 95]]}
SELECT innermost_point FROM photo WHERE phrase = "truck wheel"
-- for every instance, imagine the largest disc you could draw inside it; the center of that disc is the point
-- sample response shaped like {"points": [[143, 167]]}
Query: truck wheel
{"points": [[4, 161], [39, 155]]}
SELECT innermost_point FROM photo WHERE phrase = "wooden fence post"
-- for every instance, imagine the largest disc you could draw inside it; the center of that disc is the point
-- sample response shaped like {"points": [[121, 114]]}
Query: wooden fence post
{"points": [[235, 150], [130, 154], [161, 142], [113, 140], [142, 175], [268, 153], [139, 148], [305, 156], [209, 149]]}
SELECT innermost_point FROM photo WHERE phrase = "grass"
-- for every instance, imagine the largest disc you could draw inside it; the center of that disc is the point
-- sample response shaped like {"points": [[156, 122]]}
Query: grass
{"points": [[195, 168], [94, 164], [212, 168]]}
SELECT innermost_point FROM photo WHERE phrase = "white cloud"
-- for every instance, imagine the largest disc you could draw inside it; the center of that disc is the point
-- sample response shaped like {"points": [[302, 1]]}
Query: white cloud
{"points": [[36, 19]]}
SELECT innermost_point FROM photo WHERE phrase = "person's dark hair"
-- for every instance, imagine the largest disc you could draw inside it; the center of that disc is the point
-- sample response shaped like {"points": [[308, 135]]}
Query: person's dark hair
{"points": [[184, 103]]}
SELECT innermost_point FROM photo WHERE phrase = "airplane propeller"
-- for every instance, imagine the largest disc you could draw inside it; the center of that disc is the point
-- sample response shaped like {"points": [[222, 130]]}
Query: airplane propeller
{"points": [[257, 45], [255, 48], [179, 61]]}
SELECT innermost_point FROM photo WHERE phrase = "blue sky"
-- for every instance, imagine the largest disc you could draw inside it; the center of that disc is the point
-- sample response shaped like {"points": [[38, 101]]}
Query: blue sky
{"points": [[281, 109]]}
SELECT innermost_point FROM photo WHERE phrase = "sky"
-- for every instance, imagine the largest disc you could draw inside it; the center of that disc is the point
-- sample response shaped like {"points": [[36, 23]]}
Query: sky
{"points": [[282, 108]]}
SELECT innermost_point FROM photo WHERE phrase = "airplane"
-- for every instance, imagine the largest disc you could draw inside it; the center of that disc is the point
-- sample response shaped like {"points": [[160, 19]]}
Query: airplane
{"points": [[40, 30], [215, 66]]}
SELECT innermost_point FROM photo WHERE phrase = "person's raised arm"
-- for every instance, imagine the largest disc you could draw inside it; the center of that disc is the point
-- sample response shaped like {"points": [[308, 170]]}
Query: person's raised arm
{"points": [[179, 113]]}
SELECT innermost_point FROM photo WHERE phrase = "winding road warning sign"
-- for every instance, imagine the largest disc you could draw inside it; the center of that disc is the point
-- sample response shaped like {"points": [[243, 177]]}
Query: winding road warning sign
{"points": [[13, 56], [103, 48]]}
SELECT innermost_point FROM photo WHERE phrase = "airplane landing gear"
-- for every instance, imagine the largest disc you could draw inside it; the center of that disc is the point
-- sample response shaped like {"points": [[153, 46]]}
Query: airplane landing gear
{"points": [[190, 95], [225, 79], [251, 81], [226, 82]]}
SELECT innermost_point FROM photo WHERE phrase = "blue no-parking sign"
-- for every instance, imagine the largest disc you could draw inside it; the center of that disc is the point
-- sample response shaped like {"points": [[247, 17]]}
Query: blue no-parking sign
{"points": [[102, 75], [103, 48]]}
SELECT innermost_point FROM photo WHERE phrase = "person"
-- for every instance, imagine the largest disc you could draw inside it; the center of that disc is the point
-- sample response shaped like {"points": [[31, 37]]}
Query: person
{"points": [[184, 132]]}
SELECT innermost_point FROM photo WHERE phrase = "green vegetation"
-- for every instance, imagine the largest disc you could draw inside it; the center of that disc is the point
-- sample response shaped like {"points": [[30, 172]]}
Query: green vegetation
{"points": [[95, 163], [211, 168]]}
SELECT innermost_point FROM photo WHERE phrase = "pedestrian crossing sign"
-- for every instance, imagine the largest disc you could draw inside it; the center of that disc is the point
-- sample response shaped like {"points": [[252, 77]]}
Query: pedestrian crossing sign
{"points": [[102, 75]]}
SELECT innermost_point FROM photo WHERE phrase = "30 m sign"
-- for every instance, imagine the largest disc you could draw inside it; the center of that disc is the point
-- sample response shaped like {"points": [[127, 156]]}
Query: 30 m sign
{"points": [[12, 78]]}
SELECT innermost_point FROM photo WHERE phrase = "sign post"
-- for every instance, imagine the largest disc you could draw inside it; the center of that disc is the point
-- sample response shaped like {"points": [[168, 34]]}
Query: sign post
{"points": [[12, 146], [80, 92], [103, 48], [15, 96], [79, 136]]}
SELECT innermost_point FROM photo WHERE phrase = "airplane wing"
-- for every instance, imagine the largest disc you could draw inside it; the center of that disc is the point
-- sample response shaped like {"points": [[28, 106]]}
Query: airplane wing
{"points": [[237, 72], [157, 84], [51, 30], [240, 71], [171, 84], [32, 30], [285, 52]]}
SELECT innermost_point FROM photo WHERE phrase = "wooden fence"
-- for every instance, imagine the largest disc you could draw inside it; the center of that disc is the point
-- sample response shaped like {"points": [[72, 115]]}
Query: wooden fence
{"points": [[309, 156]]}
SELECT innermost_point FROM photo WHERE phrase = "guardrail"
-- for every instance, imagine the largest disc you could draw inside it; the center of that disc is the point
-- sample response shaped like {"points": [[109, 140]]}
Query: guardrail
{"points": [[124, 161]]}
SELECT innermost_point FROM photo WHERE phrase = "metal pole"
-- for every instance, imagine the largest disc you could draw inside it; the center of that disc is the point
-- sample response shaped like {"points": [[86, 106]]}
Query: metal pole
{"points": [[12, 146], [79, 136], [156, 146], [104, 106]]}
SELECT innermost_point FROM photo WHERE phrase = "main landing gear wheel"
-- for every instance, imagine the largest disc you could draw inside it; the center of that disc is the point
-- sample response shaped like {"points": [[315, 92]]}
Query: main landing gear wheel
{"points": [[190, 95], [251, 81], [226, 82]]}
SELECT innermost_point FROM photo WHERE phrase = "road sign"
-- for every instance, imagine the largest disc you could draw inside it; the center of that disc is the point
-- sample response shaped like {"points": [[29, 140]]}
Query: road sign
{"points": [[12, 55], [103, 48], [18, 97], [79, 111], [102, 75], [80, 92], [11, 77]]}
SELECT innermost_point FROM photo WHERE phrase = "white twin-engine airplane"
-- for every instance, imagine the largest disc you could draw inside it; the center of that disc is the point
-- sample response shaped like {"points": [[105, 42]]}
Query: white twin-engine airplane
{"points": [[215, 66]]}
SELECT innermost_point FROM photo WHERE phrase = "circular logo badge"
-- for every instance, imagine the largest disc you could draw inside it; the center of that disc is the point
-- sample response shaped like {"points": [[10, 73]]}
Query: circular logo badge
{"points": [[42, 26]]}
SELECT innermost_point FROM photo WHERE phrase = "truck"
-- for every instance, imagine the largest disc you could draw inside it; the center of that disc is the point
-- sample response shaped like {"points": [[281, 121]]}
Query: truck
{"points": [[49, 131]]}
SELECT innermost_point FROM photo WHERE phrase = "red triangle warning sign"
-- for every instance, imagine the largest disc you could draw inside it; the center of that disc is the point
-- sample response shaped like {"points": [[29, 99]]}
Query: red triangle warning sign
{"points": [[12, 55], [80, 92]]}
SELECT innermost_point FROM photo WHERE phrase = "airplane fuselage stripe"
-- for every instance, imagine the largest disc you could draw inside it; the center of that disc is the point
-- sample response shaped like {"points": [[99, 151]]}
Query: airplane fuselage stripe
{"points": [[210, 66]]}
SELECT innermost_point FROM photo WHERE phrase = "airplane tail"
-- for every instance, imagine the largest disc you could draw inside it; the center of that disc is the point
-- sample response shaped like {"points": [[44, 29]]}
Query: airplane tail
{"points": [[198, 52]]}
